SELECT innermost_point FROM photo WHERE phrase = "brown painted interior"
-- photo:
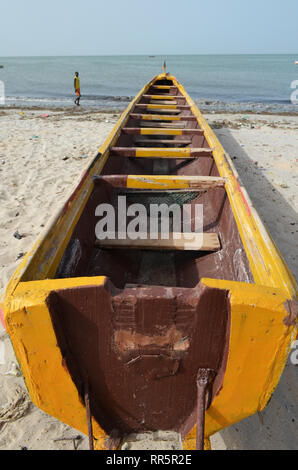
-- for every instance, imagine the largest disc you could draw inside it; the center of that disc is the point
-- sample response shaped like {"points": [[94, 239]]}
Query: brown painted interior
{"points": [[140, 340], [140, 350]]}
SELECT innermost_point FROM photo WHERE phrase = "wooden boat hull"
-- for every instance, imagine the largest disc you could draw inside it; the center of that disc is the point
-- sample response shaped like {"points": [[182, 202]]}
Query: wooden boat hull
{"points": [[255, 320]]}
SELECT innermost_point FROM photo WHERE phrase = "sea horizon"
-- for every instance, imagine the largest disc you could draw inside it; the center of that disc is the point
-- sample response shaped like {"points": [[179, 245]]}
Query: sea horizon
{"points": [[157, 55]]}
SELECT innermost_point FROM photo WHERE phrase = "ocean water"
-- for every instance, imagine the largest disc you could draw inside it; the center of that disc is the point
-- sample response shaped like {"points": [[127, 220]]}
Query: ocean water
{"points": [[217, 82]]}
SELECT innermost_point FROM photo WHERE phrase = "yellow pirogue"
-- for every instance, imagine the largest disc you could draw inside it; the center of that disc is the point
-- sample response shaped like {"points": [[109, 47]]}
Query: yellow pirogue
{"points": [[154, 337]]}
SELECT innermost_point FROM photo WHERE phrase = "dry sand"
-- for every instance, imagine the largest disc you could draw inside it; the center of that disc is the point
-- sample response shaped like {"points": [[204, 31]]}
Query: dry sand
{"points": [[42, 157]]}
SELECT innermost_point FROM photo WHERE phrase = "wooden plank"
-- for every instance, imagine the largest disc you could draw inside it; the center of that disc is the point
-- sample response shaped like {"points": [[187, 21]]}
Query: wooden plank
{"points": [[153, 152], [156, 117], [162, 102], [199, 242], [161, 182], [161, 130], [160, 106], [162, 97], [174, 112], [164, 87], [165, 125], [162, 141], [164, 111]]}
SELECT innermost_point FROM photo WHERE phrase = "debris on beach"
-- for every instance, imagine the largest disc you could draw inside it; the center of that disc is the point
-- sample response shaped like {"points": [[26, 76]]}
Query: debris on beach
{"points": [[16, 408], [225, 123], [73, 439], [18, 236], [14, 370]]}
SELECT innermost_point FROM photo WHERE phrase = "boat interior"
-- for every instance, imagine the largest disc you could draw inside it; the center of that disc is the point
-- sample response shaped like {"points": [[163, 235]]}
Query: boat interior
{"points": [[152, 343], [155, 126]]}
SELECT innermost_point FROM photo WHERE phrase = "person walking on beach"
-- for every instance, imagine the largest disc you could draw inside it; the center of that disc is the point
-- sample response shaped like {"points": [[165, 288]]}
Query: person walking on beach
{"points": [[77, 89]]}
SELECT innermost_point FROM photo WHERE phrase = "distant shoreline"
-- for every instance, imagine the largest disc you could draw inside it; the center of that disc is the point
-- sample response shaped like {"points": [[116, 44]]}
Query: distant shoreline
{"points": [[94, 110]]}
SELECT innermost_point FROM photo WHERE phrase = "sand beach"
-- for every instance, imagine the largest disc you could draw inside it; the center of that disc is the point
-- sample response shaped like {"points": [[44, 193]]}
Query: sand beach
{"points": [[42, 154]]}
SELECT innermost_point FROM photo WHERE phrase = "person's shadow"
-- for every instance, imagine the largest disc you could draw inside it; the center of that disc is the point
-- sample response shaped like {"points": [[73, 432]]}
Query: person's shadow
{"points": [[277, 427]]}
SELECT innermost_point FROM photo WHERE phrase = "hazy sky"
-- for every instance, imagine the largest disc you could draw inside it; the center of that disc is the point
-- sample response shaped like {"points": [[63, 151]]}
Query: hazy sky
{"points": [[98, 27]]}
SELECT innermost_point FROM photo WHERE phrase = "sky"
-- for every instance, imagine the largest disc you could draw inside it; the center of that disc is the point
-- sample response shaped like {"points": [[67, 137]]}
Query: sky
{"points": [[117, 27]]}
